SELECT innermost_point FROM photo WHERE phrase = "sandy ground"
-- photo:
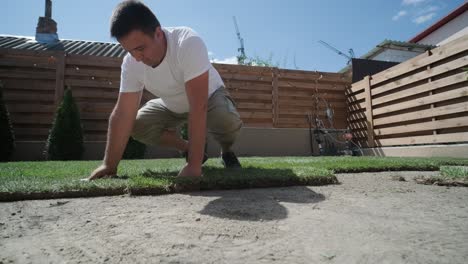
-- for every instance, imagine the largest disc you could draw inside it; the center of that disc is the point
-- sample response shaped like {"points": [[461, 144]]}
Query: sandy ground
{"points": [[369, 218]]}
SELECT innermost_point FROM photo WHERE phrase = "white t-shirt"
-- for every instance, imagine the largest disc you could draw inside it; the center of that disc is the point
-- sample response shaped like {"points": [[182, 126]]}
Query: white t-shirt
{"points": [[186, 58]]}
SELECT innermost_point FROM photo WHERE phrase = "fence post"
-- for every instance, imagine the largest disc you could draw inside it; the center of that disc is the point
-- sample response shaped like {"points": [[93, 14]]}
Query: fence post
{"points": [[59, 77], [275, 97], [369, 117], [429, 80]]}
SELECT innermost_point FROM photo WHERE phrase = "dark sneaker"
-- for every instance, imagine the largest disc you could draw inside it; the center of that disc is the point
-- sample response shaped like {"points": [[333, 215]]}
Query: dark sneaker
{"points": [[205, 156], [230, 161]]}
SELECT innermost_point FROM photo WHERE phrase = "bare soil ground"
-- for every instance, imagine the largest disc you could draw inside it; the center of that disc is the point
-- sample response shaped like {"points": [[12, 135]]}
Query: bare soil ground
{"points": [[368, 218]]}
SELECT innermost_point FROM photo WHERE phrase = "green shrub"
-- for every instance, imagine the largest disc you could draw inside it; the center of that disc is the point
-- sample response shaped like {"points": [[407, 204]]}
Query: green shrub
{"points": [[65, 140], [184, 135], [7, 137], [184, 131], [134, 149]]}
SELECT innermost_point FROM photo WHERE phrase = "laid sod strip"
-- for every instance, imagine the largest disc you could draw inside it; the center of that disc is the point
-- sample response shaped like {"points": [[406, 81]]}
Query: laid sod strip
{"points": [[361, 164], [449, 176], [454, 172], [56, 179], [19, 181], [216, 178]]}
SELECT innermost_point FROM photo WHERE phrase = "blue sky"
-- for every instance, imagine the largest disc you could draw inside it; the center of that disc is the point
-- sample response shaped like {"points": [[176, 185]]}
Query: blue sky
{"points": [[286, 31]]}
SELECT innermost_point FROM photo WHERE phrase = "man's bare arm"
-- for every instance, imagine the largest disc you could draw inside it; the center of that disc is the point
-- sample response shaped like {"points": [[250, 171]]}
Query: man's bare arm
{"points": [[121, 123], [197, 93]]}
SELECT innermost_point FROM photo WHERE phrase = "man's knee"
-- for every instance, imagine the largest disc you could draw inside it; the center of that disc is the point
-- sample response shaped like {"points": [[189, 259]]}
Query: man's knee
{"points": [[145, 132], [227, 136], [224, 121]]}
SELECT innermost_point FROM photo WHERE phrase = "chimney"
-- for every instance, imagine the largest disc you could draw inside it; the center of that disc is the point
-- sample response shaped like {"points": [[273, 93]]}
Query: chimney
{"points": [[46, 30]]}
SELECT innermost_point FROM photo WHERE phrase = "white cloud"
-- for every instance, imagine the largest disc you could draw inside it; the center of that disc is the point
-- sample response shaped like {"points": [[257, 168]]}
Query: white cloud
{"points": [[412, 2], [230, 60], [429, 9], [420, 11], [400, 14], [424, 18]]}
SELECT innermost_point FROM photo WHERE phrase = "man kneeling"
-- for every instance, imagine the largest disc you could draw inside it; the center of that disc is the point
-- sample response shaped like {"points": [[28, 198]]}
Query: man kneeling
{"points": [[173, 64]]}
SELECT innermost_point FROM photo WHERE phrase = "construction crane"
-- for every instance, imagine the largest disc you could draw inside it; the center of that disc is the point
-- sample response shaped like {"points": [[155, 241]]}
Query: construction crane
{"points": [[349, 57], [241, 58]]}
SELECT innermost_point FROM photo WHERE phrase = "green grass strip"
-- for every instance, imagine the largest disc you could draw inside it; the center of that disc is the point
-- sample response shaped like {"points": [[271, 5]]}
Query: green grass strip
{"points": [[454, 172], [449, 176], [54, 179], [361, 164], [61, 179]]}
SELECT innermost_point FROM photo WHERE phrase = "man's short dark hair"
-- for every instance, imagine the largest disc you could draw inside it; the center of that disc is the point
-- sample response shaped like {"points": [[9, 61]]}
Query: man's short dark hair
{"points": [[132, 15]]}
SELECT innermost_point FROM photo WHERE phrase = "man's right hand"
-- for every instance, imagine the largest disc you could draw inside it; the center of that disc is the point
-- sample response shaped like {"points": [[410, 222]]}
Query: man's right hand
{"points": [[121, 122], [103, 171]]}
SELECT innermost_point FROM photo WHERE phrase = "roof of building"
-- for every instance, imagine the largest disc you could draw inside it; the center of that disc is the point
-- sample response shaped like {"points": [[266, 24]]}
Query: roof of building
{"points": [[79, 47], [455, 13], [393, 44]]}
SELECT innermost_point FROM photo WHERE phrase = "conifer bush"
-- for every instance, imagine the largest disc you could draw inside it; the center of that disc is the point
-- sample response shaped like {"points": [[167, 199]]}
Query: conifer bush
{"points": [[7, 136], [65, 140]]}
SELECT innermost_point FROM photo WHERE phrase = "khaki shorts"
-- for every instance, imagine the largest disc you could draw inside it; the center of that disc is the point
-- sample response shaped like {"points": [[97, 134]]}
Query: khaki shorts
{"points": [[223, 120]]}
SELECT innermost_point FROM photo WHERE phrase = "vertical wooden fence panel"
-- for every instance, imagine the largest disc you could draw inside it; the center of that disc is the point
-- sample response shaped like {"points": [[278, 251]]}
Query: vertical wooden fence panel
{"points": [[275, 97], [369, 117], [60, 77], [420, 101]]}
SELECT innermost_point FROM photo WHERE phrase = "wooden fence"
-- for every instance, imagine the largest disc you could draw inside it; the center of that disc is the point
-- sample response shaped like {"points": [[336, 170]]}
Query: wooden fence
{"points": [[34, 82], [421, 101], [272, 97]]}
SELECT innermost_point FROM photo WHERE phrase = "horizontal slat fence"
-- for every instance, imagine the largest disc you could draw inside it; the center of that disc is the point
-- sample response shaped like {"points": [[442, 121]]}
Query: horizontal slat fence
{"points": [[303, 94], [95, 83], [29, 80], [251, 88], [421, 101], [266, 97]]}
